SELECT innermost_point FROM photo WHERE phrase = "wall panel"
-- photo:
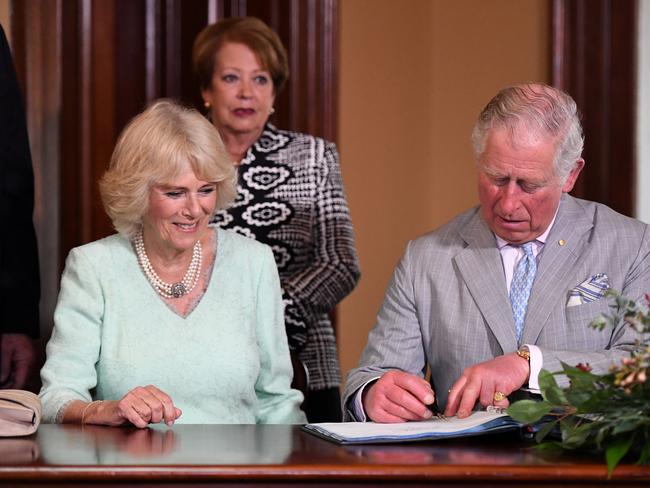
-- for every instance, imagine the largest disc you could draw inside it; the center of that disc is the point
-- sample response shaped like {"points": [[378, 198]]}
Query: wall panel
{"points": [[594, 60]]}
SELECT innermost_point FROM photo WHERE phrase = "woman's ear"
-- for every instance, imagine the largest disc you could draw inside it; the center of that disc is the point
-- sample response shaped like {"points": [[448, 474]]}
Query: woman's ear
{"points": [[206, 95]]}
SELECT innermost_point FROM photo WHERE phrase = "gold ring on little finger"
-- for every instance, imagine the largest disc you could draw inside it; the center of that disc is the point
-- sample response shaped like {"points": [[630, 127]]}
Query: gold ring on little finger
{"points": [[498, 396]]}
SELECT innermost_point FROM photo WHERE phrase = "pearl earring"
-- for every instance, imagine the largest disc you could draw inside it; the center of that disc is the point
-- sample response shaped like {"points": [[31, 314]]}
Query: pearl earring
{"points": [[206, 105], [272, 111]]}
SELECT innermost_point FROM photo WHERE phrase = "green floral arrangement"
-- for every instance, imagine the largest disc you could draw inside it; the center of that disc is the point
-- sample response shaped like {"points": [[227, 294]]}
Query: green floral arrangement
{"points": [[607, 413]]}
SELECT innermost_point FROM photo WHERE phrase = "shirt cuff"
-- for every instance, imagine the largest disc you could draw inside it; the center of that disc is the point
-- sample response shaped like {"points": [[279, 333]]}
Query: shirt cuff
{"points": [[536, 364], [355, 403]]}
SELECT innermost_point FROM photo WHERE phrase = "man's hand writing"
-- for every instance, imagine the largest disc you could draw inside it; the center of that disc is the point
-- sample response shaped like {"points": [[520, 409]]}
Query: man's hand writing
{"points": [[479, 382], [397, 397]]}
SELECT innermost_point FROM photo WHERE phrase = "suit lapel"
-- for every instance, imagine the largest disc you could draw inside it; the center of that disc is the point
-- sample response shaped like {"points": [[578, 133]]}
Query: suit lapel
{"points": [[481, 268], [556, 266]]}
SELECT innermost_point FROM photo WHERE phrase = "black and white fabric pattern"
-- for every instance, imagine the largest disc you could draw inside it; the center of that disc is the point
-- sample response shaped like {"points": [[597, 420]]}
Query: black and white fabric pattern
{"points": [[290, 196]]}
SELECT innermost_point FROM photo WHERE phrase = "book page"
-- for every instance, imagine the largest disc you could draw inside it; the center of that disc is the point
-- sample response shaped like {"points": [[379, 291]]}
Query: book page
{"points": [[442, 427]]}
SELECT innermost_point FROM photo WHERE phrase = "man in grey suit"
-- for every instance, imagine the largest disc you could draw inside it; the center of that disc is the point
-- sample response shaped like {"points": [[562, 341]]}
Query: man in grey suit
{"points": [[508, 287]]}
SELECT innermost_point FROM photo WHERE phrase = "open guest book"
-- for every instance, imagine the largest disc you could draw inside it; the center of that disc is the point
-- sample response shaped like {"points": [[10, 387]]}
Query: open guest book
{"points": [[481, 422]]}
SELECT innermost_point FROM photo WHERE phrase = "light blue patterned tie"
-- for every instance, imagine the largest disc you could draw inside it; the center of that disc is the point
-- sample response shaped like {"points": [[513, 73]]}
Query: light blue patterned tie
{"points": [[522, 282]]}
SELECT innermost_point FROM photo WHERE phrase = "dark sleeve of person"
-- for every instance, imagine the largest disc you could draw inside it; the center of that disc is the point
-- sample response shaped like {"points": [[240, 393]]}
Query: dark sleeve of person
{"points": [[333, 271], [19, 275]]}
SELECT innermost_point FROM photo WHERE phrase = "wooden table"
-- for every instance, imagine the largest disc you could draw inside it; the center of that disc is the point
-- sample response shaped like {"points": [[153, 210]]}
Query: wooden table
{"points": [[283, 455]]}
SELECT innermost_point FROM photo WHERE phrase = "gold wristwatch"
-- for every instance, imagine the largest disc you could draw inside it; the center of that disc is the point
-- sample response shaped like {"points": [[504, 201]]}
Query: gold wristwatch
{"points": [[523, 352]]}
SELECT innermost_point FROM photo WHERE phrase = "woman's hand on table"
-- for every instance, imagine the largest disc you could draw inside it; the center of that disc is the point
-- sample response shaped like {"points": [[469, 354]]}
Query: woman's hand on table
{"points": [[141, 406], [146, 405]]}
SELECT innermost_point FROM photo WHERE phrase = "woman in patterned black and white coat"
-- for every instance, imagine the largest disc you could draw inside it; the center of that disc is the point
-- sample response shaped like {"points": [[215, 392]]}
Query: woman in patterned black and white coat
{"points": [[290, 194]]}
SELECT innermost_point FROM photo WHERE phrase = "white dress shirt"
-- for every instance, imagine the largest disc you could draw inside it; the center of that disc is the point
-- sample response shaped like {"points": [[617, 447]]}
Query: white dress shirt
{"points": [[510, 256]]}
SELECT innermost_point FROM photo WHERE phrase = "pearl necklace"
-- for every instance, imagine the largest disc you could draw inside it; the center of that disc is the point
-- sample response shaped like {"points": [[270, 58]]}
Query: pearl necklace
{"points": [[170, 290]]}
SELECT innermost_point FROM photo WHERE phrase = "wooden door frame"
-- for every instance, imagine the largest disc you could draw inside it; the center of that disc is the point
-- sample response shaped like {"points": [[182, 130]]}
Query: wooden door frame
{"points": [[594, 49]]}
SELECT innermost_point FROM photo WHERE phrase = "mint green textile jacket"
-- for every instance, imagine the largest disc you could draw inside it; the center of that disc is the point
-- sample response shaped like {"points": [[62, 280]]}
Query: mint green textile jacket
{"points": [[226, 362]]}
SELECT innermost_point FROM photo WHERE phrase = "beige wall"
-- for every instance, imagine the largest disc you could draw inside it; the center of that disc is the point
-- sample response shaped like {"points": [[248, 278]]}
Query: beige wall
{"points": [[414, 75], [4, 17]]}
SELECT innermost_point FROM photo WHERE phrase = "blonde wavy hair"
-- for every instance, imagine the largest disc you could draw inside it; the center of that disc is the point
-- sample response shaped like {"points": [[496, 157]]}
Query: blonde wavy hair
{"points": [[155, 148]]}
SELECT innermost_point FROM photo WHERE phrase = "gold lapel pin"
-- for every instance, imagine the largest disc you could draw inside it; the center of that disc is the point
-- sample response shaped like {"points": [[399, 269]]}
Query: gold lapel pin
{"points": [[561, 242]]}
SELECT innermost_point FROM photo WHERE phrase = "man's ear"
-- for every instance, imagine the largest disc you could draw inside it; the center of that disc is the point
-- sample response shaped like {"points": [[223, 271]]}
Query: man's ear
{"points": [[573, 176]]}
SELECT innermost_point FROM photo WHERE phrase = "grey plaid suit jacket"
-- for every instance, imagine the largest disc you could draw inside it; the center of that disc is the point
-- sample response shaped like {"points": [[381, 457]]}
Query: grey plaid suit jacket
{"points": [[447, 305]]}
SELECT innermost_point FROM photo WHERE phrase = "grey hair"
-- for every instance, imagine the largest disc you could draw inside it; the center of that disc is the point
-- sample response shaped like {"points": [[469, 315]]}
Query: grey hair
{"points": [[531, 111], [156, 147]]}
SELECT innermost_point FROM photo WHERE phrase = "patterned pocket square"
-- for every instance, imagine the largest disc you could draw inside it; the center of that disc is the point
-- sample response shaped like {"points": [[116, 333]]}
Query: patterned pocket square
{"points": [[589, 290]]}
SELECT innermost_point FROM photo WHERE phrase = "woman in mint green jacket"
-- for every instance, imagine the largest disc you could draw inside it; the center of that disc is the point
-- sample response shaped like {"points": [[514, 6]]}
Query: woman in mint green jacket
{"points": [[171, 319]]}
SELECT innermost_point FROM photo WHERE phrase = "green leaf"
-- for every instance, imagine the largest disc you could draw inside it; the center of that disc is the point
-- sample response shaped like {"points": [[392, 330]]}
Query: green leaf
{"points": [[575, 436], [554, 395], [598, 401], [615, 452], [529, 411], [545, 430], [546, 379], [628, 425], [551, 392], [600, 436], [578, 397]]}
